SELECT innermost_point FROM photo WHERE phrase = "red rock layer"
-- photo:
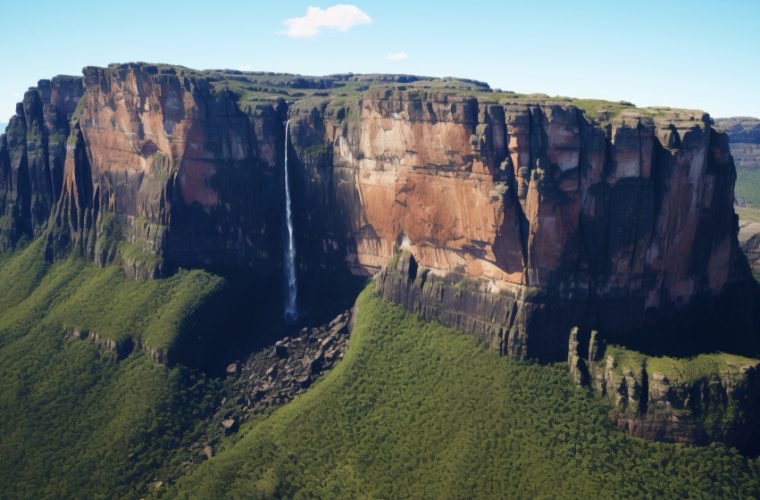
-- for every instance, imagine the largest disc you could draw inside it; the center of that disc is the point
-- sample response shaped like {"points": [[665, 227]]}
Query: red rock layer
{"points": [[518, 218], [560, 221]]}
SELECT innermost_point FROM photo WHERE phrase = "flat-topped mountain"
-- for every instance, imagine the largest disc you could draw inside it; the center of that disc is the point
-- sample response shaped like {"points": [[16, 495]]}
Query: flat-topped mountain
{"points": [[514, 217], [150, 218]]}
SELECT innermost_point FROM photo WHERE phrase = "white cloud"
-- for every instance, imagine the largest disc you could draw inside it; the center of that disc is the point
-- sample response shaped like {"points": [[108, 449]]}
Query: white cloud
{"points": [[341, 17], [398, 56], [245, 67]]}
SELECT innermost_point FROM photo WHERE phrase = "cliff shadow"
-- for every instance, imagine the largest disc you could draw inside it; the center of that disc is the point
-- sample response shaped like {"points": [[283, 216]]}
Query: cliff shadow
{"points": [[247, 315], [726, 323]]}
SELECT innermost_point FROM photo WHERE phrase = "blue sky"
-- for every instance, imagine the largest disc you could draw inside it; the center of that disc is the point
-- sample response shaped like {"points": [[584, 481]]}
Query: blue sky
{"points": [[695, 53]]}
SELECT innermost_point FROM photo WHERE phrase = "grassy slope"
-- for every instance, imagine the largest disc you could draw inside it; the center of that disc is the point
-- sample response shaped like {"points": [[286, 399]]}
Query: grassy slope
{"points": [[748, 185], [75, 422], [417, 410], [72, 294]]}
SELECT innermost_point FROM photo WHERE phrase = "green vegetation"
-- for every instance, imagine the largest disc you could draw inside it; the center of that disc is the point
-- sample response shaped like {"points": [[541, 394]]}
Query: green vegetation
{"points": [[77, 423], [135, 254], [81, 105], [702, 366], [748, 185], [107, 233], [626, 358], [316, 149], [706, 375], [343, 91], [393, 261], [72, 294], [416, 410], [679, 370], [593, 107]]}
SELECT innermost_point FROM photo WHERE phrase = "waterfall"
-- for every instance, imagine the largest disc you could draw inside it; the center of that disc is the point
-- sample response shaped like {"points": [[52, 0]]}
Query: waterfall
{"points": [[291, 310]]}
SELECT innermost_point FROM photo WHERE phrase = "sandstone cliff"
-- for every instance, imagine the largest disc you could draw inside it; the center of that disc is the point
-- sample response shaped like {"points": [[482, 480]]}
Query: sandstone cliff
{"points": [[521, 214], [712, 397], [32, 154], [513, 217]]}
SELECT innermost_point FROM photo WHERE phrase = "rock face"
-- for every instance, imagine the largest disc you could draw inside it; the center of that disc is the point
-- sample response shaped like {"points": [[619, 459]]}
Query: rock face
{"points": [[120, 349], [713, 397], [279, 372], [513, 217], [745, 140], [273, 376], [184, 176], [33, 151], [563, 222]]}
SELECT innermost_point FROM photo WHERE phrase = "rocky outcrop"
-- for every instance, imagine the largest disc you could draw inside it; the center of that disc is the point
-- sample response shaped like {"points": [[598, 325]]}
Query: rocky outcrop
{"points": [[272, 377], [33, 151], [744, 133], [277, 373], [119, 348], [513, 217], [712, 397], [562, 220], [170, 167], [457, 300]]}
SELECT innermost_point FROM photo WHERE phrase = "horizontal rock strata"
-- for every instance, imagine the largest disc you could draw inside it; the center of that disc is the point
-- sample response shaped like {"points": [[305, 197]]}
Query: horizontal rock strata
{"points": [[713, 397], [523, 215]]}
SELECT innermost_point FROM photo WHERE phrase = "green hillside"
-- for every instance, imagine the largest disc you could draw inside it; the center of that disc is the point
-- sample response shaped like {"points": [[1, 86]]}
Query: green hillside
{"points": [[416, 410], [748, 185], [76, 422]]}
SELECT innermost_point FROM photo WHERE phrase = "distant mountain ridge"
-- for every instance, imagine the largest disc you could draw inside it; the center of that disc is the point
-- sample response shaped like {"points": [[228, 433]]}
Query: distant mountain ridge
{"points": [[744, 137], [744, 134]]}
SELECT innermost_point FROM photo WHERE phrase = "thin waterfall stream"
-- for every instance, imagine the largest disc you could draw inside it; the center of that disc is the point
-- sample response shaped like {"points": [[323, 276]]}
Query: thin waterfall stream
{"points": [[291, 308]]}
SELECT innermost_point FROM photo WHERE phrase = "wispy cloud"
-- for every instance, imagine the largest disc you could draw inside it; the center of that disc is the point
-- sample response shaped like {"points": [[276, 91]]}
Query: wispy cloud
{"points": [[341, 17], [398, 56], [245, 67]]}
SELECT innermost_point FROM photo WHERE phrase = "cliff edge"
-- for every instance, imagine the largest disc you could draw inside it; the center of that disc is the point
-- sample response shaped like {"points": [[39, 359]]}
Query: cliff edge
{"points": [[513, 217]]}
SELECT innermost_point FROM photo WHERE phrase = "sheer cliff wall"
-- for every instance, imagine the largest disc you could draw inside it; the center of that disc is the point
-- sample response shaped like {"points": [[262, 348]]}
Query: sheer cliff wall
{"points": [[512, 217]]}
